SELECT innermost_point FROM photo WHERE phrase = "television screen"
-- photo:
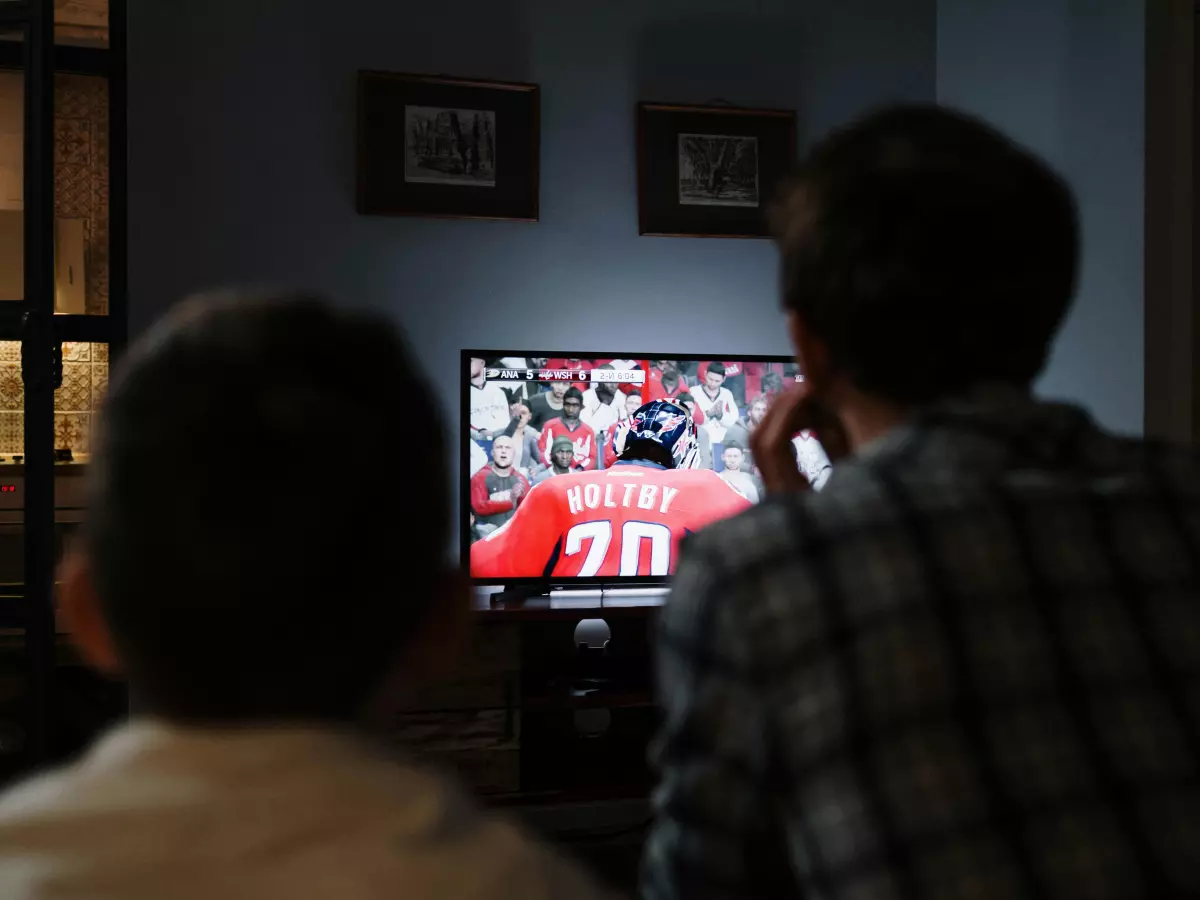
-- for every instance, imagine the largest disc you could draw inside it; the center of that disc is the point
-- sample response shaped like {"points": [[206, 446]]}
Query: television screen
{"points": [[580, 470]]}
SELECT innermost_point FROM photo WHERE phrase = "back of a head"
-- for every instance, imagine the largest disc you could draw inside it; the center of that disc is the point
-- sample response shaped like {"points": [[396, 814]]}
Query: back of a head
{"points": [[250, 533], [928, 252]]}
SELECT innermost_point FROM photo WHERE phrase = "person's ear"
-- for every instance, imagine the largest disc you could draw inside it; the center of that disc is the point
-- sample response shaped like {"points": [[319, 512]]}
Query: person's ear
{"points": [[812, 356], [79, 606]]}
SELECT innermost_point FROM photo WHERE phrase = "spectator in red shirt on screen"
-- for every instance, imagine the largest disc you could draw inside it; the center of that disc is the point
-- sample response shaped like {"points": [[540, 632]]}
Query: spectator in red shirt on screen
{"points": [[498, 489], [569, 425], [665, 381]]}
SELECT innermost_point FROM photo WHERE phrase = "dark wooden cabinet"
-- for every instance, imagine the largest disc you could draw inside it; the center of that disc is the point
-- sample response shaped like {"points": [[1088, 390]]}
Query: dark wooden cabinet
{"points": [[532, 717]]}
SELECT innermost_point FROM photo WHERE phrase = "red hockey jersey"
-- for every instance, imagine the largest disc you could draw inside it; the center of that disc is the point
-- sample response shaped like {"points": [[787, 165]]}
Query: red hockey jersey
{"points": [[622, 522]]}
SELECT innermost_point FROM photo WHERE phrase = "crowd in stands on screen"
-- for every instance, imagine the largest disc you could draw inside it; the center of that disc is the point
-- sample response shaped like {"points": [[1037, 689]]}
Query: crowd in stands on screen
{"points": [[543, 416]]}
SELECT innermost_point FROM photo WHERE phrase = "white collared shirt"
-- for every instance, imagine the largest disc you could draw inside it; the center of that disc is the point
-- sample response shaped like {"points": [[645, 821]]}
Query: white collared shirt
{"points": [[728, 416], [599, 415]]}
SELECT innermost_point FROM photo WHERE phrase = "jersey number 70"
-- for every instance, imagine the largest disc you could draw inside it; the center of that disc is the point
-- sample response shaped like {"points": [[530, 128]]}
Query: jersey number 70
{"points": [[600, 535]]}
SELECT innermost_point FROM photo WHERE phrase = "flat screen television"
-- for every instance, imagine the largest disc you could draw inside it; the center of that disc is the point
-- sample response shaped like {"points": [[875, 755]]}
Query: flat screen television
{"points": [[556, 493]]}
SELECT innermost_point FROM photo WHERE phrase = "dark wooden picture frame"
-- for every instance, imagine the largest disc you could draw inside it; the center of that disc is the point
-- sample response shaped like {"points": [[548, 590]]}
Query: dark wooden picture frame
{"points": [[710, 171], [429, 145]]}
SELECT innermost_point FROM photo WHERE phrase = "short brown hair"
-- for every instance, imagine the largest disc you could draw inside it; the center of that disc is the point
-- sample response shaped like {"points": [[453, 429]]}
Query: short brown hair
{"points": [[928, 252], [241, 577]]}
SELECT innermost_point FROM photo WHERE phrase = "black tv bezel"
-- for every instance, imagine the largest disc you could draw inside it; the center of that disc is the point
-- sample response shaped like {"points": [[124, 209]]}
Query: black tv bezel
{"points": [[464, 462]]}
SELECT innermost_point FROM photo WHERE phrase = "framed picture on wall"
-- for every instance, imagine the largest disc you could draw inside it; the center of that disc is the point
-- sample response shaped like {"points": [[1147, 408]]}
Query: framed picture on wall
{"points": [[435, 146], [710, 171]]}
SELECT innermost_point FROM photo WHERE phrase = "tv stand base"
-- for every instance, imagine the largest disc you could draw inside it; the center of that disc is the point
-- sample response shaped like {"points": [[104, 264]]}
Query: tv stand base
{"points": [[597, 597]]}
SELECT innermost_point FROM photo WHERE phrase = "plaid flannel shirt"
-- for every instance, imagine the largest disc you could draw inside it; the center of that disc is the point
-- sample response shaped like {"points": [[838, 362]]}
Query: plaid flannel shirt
{"points": [[968, 668]]}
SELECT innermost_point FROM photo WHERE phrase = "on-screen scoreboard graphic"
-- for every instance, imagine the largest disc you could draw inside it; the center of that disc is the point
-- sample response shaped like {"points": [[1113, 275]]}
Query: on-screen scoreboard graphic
{"points": [[594, 376]]}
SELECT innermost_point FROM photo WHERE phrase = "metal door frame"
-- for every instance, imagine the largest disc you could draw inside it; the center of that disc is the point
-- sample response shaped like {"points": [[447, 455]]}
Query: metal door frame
{"points": [[32, 321]]}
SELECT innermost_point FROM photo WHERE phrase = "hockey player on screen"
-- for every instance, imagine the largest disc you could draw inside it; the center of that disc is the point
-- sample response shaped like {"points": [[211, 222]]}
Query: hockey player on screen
{"points": [[626, 521]]}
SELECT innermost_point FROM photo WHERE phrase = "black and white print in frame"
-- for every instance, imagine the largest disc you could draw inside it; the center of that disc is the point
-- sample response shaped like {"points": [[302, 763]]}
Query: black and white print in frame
{"points": [[710, 171], [430, 145]]}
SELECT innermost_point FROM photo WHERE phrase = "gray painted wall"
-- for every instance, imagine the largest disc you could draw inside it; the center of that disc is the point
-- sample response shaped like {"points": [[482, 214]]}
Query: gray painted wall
{"points": [[241, 158], [1067, 78], [242, 141]]}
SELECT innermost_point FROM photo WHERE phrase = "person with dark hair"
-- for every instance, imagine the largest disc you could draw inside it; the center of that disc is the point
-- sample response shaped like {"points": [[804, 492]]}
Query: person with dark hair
{"points": [[571, 426], [603, 404], [716, 402], [547, 405], [562, 458], [734, 377], [968, 666], [524, 438], [268, 624], [665, 381], [736, 473]]}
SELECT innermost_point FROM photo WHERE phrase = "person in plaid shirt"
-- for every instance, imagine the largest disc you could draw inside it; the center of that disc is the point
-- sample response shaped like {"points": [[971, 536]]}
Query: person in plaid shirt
{"points": [[969, 667]]}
